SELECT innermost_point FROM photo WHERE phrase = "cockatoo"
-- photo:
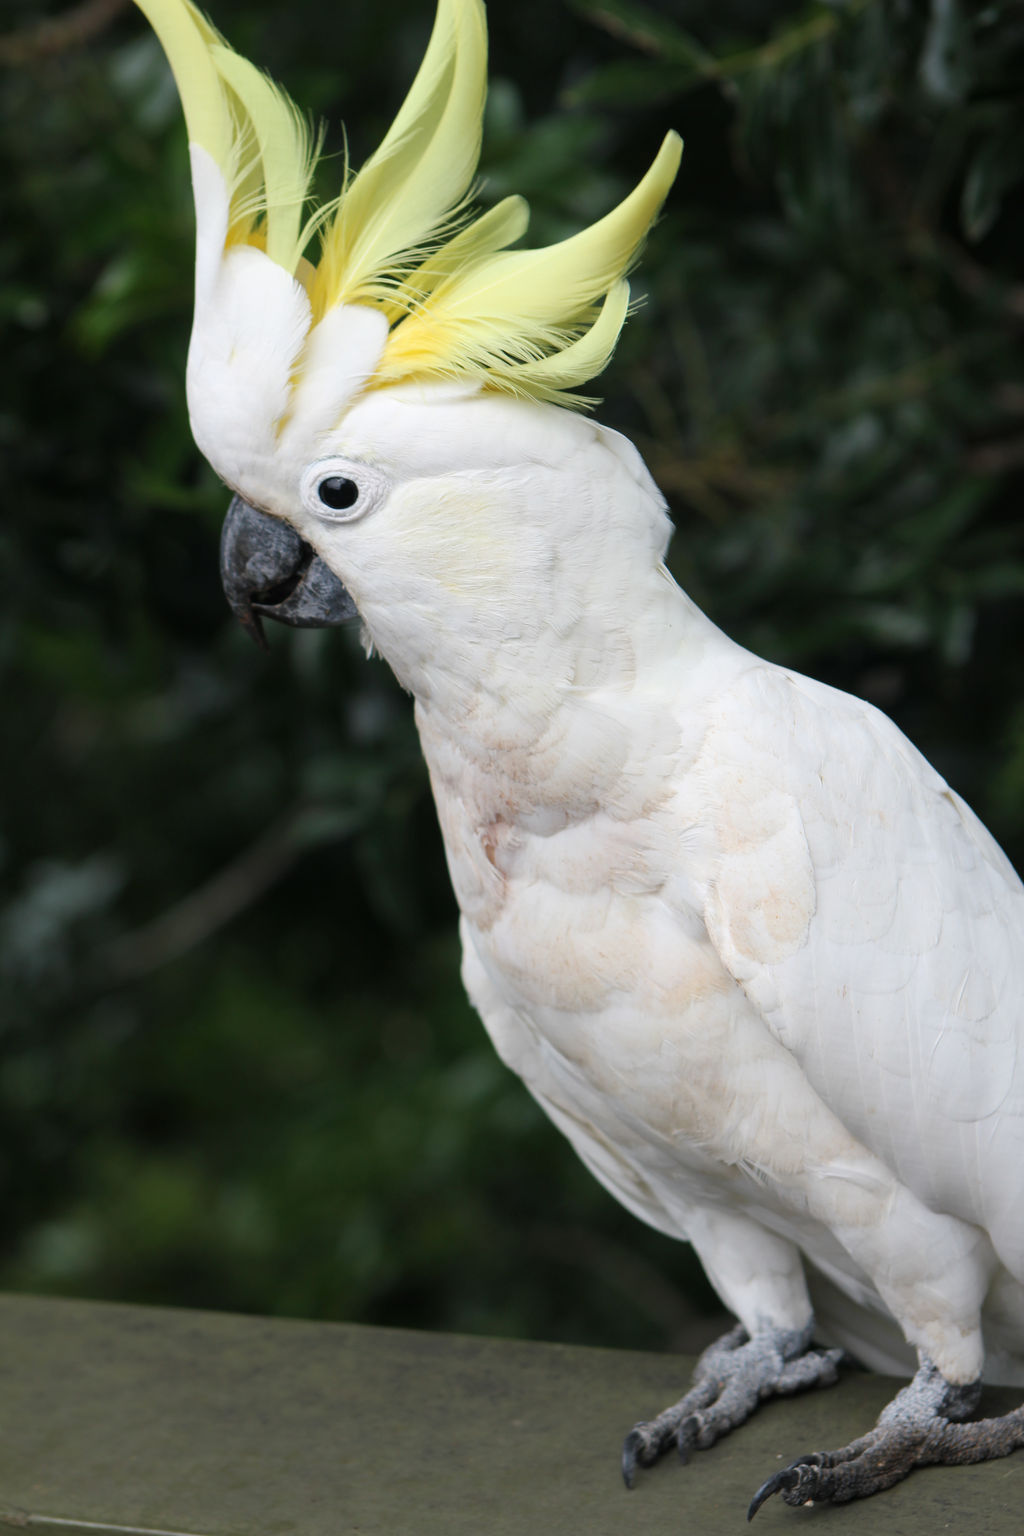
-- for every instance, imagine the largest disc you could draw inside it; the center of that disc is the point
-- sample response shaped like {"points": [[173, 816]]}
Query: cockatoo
{"points": [[752, 955]]}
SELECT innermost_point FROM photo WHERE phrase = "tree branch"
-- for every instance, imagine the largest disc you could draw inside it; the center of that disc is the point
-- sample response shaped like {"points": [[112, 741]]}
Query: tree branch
{"points": [[57, 34], [203, 911]]}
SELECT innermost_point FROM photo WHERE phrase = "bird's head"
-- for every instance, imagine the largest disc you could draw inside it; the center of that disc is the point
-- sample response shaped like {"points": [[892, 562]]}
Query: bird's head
{"points": [[392, 420]]}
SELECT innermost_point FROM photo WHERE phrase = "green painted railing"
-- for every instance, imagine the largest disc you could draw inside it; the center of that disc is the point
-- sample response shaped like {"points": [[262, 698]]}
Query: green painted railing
{"points": [[134, 1419]]}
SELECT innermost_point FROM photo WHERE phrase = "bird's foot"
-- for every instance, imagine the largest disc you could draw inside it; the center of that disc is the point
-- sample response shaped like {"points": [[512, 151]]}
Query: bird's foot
{"points": [[919, 1428], [732, 1376]]}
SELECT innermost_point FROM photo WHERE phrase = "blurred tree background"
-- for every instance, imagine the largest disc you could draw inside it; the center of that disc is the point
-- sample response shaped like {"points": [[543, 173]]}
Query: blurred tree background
{"points": [[236, 1065]]}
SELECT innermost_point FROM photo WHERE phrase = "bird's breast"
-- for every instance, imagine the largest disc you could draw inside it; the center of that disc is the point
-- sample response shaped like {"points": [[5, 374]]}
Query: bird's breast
{"points": [[588, 965]]}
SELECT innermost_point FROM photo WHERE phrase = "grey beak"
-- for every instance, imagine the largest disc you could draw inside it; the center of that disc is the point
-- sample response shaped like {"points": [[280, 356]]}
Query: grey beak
{"points": [[267, 571]]}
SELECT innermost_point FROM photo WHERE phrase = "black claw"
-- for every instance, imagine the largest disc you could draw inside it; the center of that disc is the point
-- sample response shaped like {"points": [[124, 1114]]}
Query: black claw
{"points": [[629, 1457], [780, 1482]]}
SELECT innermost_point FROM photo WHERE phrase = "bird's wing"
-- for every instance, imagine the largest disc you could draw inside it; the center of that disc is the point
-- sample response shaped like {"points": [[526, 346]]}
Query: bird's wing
{"points": [[876, 926]]}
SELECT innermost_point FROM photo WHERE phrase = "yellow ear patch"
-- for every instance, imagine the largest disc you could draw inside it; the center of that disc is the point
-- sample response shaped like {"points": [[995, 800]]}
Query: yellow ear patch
{"points": [[399, 238]]}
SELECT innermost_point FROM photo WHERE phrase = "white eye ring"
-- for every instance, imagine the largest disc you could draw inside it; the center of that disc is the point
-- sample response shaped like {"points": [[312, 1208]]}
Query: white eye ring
{"points": [[342, 490]]}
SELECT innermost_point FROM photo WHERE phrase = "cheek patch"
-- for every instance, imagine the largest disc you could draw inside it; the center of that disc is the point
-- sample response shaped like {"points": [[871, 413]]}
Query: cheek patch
{"points": [[456, 535]]}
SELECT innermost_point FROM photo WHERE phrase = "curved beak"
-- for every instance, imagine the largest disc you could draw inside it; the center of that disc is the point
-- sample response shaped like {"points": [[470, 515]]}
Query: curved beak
{"points": [[267, 571]]}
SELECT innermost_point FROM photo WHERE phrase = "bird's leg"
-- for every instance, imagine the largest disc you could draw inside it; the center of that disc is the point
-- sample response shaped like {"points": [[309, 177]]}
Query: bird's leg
{"points": [[919, 1428], [732, 1376]]}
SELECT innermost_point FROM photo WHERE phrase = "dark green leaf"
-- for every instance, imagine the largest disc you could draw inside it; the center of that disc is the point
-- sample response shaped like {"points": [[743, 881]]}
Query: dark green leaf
{"points": [[996, 166]]}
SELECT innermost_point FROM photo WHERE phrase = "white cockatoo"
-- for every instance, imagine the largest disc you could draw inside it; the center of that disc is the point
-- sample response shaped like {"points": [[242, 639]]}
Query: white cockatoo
{"points": [[751, 954]]}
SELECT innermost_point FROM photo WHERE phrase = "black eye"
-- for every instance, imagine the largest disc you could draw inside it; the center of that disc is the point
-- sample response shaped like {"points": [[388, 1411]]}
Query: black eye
{"points": [[338, 493]]}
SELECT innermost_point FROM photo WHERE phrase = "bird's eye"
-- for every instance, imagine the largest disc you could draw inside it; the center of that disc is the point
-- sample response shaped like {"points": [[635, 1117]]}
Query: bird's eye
{"points": [[338, 492]]}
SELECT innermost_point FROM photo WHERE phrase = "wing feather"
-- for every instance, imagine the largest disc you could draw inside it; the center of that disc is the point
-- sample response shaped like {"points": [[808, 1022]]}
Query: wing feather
{"points": [[877, 925]]}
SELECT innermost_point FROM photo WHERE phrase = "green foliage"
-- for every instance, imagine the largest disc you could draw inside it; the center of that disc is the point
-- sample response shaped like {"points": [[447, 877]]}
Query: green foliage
{"points": [[236, 1065]]}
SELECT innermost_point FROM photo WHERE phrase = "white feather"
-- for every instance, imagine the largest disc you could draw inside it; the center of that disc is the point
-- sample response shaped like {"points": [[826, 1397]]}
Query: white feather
{"points": [[749, 951], [752, 955]]}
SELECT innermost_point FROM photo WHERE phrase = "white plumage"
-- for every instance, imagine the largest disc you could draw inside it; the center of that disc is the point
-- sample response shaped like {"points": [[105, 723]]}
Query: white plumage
{"points": [[748, 950], [746, 947]]}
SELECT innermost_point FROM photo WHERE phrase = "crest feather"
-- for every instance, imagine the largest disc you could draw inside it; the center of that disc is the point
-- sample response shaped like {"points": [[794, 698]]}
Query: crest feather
{"points": [[286, 154], [413, 187], [248, 125], [503, 314], [186, 38], [399, 237]]}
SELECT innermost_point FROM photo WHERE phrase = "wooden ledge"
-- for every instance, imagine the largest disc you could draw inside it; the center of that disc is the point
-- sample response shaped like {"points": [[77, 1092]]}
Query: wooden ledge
{"points": [[146, 1420]]}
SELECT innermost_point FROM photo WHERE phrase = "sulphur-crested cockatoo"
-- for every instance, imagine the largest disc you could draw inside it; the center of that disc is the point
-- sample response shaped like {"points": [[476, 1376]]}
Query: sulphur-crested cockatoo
{"points": [[748, 950]]}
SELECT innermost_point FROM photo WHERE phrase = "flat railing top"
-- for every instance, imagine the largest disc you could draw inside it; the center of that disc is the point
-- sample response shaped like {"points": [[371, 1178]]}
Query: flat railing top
{"points": [[138, 1419]]}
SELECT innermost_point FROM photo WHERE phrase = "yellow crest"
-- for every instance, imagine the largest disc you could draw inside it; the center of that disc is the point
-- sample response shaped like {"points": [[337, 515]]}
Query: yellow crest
{"points": [[399, 238]]}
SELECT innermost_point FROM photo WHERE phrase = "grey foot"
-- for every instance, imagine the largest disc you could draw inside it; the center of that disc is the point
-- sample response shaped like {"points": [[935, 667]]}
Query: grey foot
{"points": [[919, 1428], [732, 1376]]}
